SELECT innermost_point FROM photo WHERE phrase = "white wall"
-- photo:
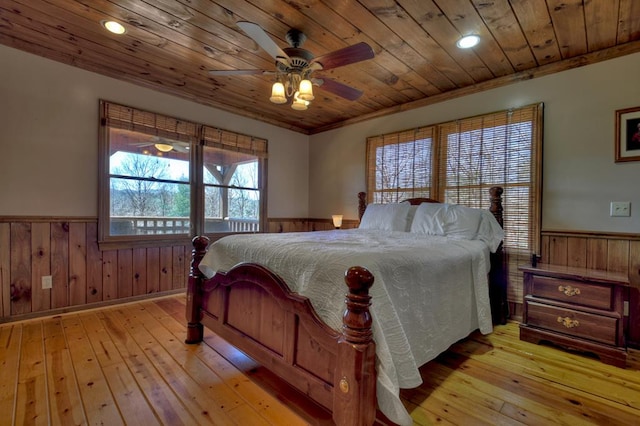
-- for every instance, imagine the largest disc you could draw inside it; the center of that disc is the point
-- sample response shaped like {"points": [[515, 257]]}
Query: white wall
{"points": [[579, 172], [49, 146]]}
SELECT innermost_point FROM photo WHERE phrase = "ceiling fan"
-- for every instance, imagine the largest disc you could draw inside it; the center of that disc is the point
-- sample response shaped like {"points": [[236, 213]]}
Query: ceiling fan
{"points": [[294, 67]]}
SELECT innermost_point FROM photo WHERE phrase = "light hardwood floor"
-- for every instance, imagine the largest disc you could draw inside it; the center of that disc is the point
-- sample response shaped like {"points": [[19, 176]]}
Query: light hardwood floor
{"points": [[127, 364]]}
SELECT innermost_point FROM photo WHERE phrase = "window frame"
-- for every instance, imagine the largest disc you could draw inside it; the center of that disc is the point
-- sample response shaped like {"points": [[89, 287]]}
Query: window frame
{"points": [[258, 147]]}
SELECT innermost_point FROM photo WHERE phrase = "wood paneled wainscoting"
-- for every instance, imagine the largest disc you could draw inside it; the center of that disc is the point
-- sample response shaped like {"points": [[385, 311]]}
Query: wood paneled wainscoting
{"points": [[83, 276], [67, 250], [610, 252]]}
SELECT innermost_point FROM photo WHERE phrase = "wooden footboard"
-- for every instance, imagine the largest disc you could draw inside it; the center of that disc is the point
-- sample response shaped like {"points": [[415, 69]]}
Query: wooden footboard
{"points": [[254, 310]]}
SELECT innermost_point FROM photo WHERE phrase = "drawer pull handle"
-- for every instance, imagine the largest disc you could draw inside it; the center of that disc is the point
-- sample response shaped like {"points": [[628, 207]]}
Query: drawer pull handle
{"points": [[568, 322], [568, 290]]}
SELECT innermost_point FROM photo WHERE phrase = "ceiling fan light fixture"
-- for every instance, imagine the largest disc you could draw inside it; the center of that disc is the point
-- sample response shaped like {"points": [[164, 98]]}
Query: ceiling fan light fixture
{"points": [[468, 41], [114, 27], [305, 92], [277, 93], [163, 147]]}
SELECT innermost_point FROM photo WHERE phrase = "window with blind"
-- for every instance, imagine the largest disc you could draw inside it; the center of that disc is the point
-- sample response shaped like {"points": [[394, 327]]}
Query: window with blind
{"points": [[458, 161], [164, 179]]}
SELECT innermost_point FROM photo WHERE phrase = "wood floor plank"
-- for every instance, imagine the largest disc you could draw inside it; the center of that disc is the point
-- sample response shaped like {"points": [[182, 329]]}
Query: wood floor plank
{"points": [[99, 405], [10, 348], [64, 396], [31, 394]]}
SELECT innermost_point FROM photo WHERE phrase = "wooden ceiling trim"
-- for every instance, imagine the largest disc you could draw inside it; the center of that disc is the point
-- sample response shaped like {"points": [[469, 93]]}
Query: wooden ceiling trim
{"points": [[504, 27]]}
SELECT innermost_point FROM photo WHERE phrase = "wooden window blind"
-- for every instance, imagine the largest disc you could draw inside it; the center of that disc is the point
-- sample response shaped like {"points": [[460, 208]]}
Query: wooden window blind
{"points": [[150, 123], [458, 161], [231, 141], [399, 165]]}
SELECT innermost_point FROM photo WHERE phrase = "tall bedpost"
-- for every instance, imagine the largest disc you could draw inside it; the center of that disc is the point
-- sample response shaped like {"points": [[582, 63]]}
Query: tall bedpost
{"points": [[498, 273], [362, 204], [354, 401], [496, 203], [194, 295]]}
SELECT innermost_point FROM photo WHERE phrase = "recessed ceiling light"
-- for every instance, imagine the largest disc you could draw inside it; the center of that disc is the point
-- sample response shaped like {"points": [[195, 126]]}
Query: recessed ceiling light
{"points": [[114, 27], [468, 41]]}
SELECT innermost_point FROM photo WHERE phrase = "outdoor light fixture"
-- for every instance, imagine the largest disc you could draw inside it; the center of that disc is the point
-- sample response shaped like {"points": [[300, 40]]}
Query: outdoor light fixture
{"points": [[468, 41], [337, 220], [163, 147]]}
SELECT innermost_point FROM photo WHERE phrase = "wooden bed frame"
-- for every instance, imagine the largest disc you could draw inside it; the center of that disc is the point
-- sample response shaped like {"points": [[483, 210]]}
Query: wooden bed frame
{"points": [[253, 309]]}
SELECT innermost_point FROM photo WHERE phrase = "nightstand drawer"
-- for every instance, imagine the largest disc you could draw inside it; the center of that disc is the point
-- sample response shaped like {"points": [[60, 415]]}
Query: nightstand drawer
{"points": [[571, 322], [574, 292]]}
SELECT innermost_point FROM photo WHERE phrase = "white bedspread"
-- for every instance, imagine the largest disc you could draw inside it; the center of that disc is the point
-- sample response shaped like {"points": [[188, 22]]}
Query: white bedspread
{"points": [[428, 293]]}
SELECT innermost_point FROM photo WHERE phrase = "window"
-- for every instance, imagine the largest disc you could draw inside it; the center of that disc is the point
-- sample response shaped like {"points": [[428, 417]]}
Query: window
{"points": [[163, 179], [457, 162]]}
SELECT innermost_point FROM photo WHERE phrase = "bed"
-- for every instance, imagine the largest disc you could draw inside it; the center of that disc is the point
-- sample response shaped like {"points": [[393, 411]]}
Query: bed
{"points": [[416, 282]]}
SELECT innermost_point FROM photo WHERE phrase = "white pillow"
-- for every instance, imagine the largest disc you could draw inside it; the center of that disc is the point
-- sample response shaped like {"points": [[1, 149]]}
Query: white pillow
{"points": [[385, 217], [462, 222], [429, 219]]}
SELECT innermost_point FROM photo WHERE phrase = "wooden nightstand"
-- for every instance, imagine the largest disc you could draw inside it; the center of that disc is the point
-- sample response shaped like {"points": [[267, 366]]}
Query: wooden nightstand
{"points": [[576, 308]]}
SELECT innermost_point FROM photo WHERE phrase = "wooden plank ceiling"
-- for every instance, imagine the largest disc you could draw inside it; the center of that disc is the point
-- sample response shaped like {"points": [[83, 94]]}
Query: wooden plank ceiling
{"points": [[170, 45]]}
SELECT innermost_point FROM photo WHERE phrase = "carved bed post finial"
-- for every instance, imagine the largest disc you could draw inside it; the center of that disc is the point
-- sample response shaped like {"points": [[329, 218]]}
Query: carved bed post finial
{"points": [[357, 318], [196, 278], [362, 204]]}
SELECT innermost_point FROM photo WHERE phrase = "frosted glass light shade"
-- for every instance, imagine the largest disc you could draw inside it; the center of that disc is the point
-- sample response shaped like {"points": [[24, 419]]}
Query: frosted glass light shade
{"points": [[337, 220], [306, 90], [277, 93], [299, 104]]}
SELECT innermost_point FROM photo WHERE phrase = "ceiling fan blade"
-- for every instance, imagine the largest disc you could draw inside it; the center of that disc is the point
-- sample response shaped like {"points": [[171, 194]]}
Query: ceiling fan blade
{"points": [[339, 89], [238, 72], [348, 55], [260, 36]]}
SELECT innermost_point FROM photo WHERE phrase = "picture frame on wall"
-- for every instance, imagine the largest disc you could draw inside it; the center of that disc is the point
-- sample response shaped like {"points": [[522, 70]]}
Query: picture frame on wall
{"points": [[628, 134]]}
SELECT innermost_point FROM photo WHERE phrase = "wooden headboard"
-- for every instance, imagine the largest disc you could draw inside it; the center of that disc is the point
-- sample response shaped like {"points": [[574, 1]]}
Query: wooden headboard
{"points": [[495, 194]]}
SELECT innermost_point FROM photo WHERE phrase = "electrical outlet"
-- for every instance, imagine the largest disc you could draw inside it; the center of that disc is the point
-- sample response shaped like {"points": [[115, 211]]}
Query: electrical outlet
{"points": [[47, 282], [620, 208]]}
